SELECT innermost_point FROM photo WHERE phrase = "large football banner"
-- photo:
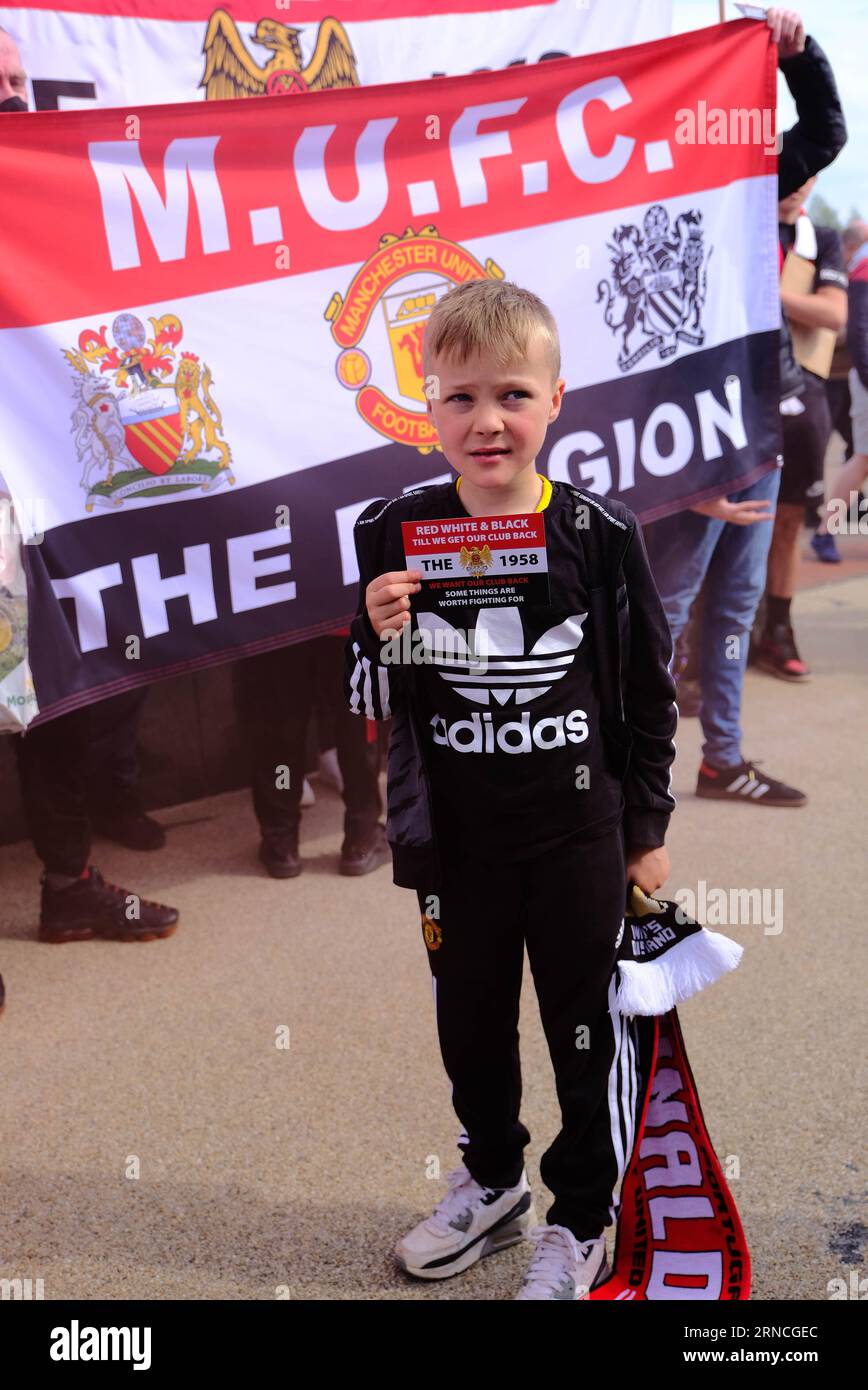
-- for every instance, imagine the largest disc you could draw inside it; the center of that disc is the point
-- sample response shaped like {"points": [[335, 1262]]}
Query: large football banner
{"points": [[211, 318], [85, 53]]}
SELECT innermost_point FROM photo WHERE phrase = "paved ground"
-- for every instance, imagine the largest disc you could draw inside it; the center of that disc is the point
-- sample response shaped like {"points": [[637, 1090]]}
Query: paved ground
{"points": [[264, 1168]]}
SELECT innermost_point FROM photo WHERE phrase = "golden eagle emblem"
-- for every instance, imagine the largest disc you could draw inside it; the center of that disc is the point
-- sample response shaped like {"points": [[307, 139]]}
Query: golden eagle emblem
{"points": [[476, 559], [230, 71]]}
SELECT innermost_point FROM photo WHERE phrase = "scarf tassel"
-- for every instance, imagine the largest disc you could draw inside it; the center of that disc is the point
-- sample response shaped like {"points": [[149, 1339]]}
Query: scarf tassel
{"points": [[655, 987]]}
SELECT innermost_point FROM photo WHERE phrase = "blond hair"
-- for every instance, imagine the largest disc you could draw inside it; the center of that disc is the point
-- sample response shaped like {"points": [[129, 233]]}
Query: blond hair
{"points": [[489, 318]]}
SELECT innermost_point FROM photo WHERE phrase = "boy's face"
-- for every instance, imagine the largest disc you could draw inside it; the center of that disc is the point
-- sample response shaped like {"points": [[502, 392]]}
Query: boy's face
{"points": [[481, 406]]}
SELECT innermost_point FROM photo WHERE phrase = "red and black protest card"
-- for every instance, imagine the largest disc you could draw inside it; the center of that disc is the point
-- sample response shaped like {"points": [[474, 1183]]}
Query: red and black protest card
{"points": [[480, 560]]}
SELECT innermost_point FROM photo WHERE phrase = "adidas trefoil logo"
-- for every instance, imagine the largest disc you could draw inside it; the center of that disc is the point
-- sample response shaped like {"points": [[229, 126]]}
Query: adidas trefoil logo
{"points": [[499, 670], [503, 675]]}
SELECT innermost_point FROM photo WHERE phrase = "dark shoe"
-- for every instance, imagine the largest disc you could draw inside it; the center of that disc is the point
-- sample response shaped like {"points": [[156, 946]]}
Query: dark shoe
{"points": [[91, 907], [129, 826], [279, 854], [744, 783], [825, 549], [779, 656], [688, 697], [364, 855]]}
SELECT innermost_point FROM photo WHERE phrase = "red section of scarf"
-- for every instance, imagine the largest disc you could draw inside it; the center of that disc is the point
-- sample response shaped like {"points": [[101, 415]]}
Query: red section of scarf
{"points": [[676, 1239]]}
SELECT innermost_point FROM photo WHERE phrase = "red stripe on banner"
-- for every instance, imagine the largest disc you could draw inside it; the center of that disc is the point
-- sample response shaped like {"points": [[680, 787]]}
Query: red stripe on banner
{"points": [[258, 191], [293, 12]]}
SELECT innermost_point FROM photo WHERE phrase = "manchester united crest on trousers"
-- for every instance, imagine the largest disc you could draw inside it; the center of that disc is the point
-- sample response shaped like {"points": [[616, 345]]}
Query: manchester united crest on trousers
{"points": [[432, 931]]}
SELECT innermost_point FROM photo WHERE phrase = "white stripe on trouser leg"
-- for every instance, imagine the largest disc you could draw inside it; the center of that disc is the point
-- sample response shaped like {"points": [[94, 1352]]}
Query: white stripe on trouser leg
{"points": [[631, 1086], [612, 1088], [621, 1094]]}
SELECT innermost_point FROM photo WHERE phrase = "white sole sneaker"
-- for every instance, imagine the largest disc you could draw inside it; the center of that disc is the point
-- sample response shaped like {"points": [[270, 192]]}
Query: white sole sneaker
{"points": [[438, 1249], [563, 1268]]}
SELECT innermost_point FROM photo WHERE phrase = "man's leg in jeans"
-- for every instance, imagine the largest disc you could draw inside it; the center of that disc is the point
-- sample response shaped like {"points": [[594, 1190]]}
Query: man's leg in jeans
{"points": [[734, 586], [476, 955], [680, 548]]}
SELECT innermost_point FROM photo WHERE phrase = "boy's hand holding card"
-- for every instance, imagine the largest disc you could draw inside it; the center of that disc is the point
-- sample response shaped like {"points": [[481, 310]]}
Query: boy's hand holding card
{"points": [[387, 599]]}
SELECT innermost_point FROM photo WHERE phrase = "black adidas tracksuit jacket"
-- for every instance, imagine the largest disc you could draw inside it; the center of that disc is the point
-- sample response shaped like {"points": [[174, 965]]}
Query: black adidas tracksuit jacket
{"points": [[601, 584]]}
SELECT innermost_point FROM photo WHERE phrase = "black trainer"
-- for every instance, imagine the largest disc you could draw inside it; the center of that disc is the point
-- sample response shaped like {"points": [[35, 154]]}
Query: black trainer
{"points": [[365, 854], [778, 654], [744, 783], [92, 907], [279, 853]]}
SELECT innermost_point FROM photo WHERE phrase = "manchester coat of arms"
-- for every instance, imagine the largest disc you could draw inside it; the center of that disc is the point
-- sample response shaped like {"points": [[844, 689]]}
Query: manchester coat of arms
{"points": [[145, 423], [658, 284]]}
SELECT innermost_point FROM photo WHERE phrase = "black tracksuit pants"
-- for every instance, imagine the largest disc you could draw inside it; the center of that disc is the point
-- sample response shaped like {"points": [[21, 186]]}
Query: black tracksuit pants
{"points": [[567, 906]]}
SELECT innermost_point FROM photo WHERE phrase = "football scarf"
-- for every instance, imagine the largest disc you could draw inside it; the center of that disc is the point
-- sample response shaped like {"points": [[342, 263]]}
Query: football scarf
{"points": [[679, 1235]]}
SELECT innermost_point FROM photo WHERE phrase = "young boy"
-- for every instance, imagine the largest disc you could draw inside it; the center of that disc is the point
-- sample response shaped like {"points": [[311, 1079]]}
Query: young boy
{"points": [[528, 781]]}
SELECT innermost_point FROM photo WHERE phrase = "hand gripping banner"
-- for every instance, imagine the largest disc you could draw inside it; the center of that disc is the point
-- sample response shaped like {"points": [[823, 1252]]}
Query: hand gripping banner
{"points": [[211, 318]]}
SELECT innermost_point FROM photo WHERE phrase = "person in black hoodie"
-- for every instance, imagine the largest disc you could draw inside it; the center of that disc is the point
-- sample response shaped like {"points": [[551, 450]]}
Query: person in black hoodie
{"points": [[724, 543], [529, 780]]}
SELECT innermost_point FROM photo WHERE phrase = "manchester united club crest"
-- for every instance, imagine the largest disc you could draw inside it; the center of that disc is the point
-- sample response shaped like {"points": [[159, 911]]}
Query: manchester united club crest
{"points": [[658, 285], [433, 933], [232, 71], [145, 423], [380, 321]]}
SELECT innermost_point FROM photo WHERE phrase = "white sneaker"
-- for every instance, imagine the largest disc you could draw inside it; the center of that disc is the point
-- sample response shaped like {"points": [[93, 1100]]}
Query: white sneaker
{"points": [[470, 1222], [562, 1267]]}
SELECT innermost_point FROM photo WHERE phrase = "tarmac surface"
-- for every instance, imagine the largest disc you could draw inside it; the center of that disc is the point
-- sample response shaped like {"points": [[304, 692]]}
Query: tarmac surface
{"points": [[159, 1142]]}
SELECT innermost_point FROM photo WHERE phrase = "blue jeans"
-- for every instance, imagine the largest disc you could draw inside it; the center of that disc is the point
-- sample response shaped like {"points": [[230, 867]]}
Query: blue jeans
{"points": [[687, 550]]}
